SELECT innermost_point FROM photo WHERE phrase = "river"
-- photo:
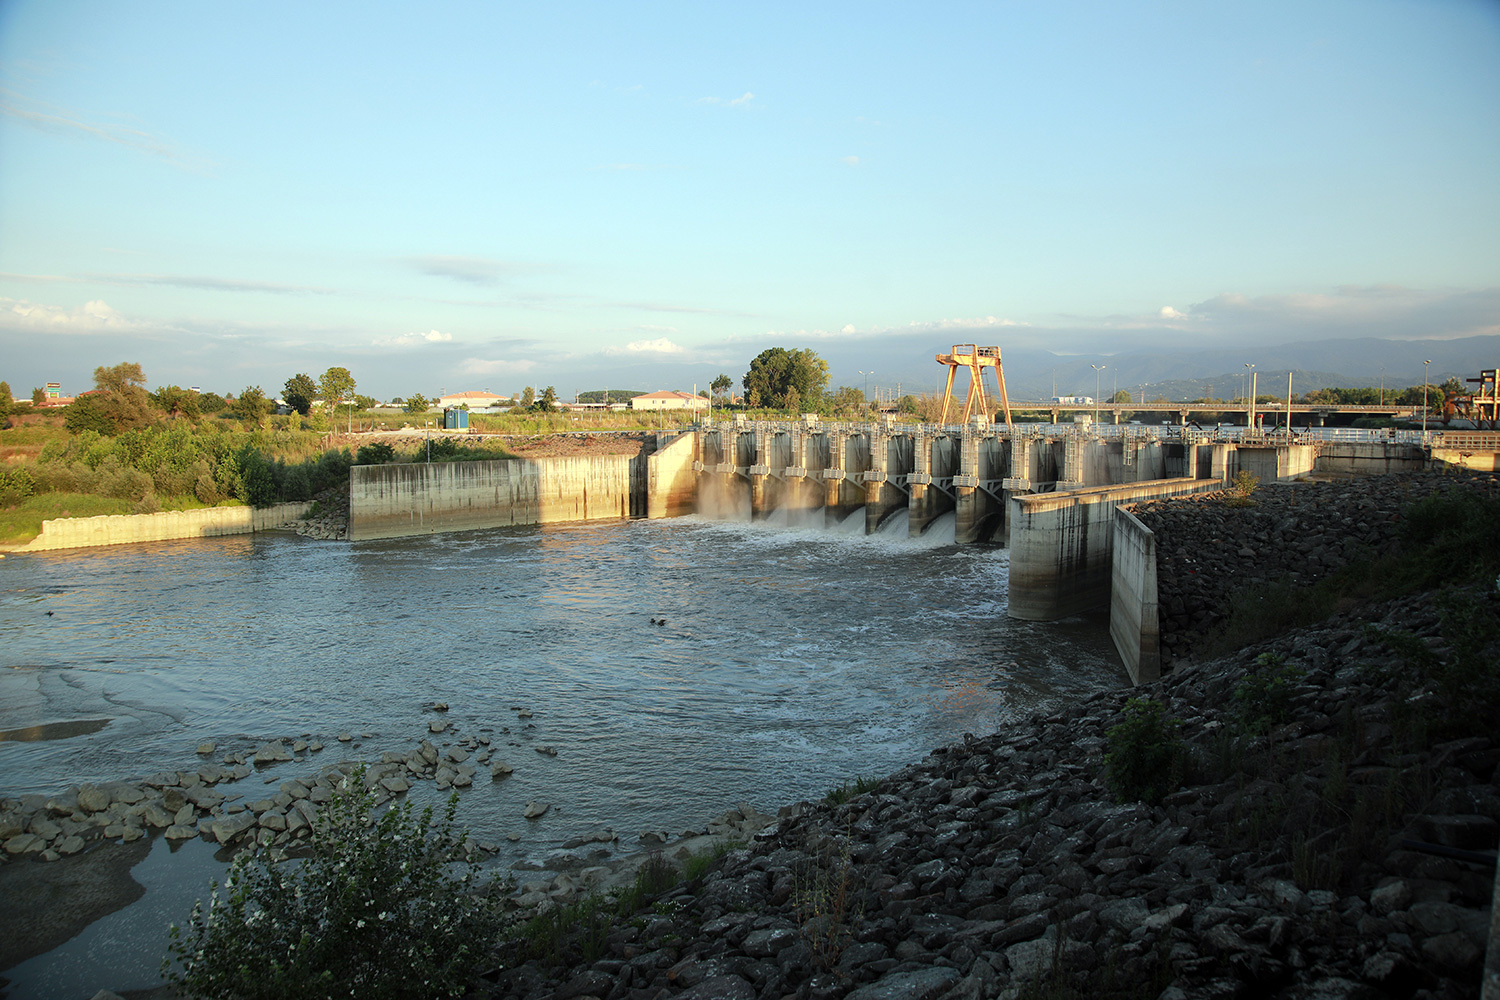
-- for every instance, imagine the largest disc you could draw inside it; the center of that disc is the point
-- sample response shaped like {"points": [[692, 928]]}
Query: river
{"points": [[790, 661]]}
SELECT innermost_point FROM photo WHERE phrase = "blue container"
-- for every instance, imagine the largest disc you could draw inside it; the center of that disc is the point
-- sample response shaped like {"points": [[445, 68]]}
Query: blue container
{"points": [[455, 419]]}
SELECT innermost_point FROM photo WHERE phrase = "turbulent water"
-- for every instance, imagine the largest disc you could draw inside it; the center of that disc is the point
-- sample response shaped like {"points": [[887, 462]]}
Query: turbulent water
{"points": [[790, 661]]}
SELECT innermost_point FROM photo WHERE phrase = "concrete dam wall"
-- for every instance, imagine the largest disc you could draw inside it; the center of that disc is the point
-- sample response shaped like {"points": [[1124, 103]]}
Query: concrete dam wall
{"points": [[386, 501], [124, 529]]}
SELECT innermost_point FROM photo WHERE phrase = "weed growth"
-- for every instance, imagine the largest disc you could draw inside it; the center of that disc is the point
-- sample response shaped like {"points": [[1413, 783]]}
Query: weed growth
{"points": [[1146, 757], [378, 910]]}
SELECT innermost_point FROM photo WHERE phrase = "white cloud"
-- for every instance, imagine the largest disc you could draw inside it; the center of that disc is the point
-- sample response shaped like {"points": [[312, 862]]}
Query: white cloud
{"points": [[1167, 312], [414, 339], [470, 270], [70, 123], [661, 345], [733, 102], [847, 328], [852, 161], [497, 366], [92, 317]]}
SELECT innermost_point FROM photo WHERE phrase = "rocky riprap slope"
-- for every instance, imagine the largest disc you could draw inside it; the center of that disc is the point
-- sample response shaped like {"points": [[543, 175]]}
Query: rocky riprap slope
{"points": [[1003, 866], [332, 518], [1207, 548]]}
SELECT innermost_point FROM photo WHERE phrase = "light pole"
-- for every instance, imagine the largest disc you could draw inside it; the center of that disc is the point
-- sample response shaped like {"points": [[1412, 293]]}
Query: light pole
{"points": [[1424, 397], [1382, 387], [1251, 401], [1097, 370], [866, 402]]}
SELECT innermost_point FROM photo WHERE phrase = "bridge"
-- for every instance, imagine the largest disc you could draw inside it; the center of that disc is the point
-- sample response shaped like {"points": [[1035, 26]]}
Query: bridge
{"points": [[1313, 414]]}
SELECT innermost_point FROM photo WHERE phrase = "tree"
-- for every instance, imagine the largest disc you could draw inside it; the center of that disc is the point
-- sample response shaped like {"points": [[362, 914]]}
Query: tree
{"points": [[118, 403], [417, 403], [721, 385], [548, 402], [7, 404], [211, 402], [176, 401], [336, 386], [299, 393], [364, 402], [252, 405], [776, 371], [848, 400], [528, 396], [38, 396]]}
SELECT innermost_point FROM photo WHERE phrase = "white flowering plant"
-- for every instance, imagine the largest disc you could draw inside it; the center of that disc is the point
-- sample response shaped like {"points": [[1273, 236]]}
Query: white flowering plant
{"points": [[383, 907]]}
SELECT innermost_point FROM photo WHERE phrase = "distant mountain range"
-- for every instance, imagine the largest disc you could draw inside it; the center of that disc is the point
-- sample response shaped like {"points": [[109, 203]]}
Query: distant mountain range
{"points": [[1217, 373]]}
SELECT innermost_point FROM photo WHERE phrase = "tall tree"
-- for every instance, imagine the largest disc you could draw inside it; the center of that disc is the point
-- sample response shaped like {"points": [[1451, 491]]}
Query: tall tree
{"points": [[721, 385], [336, 386], [119, 401], [776, 370], [7, 404], [299, 393], [416, 403], [528, 396], [548, 402]]}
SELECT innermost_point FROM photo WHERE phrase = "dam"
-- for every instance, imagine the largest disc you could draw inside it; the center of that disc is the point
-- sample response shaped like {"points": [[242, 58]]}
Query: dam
{"points": [[1048, 492]]}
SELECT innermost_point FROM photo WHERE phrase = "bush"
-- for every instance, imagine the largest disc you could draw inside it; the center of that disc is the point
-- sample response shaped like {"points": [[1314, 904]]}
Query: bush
{"points": [[1245, 484], [257, 485], [15, 485], [378, 453], [1263, 699], [1146, 758], [374, 912]]}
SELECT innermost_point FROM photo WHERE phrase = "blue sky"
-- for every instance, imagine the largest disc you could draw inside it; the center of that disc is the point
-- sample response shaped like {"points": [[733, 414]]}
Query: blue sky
{"points": [[458, 196]]}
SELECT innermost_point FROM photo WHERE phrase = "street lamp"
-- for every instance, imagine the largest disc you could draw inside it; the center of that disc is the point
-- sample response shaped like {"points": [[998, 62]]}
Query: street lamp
{"points": [[1097, 370], [1424, 397], [866, 402], [1251, 410]]}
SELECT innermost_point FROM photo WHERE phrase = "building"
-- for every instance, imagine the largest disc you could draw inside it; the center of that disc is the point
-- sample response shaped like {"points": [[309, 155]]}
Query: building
{"points": [[473, 399], [668, 399]]}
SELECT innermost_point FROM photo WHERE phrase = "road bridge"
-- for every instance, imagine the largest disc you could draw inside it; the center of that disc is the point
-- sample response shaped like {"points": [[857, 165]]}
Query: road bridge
{"points": [[1311, 414]]}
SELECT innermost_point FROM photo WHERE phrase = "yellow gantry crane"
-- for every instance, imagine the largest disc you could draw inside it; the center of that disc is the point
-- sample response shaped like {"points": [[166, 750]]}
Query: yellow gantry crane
{"points": [[976, 359]]}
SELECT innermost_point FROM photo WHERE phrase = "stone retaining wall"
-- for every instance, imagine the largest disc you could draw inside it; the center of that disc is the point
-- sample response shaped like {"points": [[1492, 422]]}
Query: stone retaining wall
{"points": [[123, 529]]}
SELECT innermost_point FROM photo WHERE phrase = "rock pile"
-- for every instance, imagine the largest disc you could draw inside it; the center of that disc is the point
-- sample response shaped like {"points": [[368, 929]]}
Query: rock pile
{"points": [[331, 521], [1207, 548], [1337, 853], [202, 802]]}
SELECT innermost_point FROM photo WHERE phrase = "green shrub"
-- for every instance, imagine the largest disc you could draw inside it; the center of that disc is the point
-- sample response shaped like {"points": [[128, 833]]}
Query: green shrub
{"points": [[1146, 758], [257, 485], [375, 912], [15, 485], [378, 453], [1263, 699], [1244, 486]]}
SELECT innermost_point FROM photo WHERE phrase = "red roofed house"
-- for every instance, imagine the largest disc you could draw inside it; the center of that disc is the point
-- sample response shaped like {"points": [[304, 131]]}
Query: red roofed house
{"points": [[474, 399], [668, 399]]}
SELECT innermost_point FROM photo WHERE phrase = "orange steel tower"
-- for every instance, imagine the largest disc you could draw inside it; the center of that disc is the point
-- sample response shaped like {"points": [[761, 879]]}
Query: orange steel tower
{"points": [[976, 359]]}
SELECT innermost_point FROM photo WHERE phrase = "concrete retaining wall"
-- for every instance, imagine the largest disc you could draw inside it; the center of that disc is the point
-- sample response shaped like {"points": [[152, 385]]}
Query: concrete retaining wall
{"points": [[124, 529], [1133, 622], [671, 483], [387, 501], [1368, 458], [1060, 545]]}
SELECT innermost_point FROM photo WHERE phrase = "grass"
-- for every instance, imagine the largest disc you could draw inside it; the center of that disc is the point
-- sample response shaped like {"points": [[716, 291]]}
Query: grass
{"points": [[849, 789]]}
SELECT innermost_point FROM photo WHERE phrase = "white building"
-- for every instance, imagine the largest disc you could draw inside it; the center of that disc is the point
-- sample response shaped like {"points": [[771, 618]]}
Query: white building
{"points": [[668, 399], [475, 399]]}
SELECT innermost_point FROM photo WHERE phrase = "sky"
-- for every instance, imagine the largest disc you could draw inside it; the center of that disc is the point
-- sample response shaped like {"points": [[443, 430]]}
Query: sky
{"points": [[458, 196]]}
